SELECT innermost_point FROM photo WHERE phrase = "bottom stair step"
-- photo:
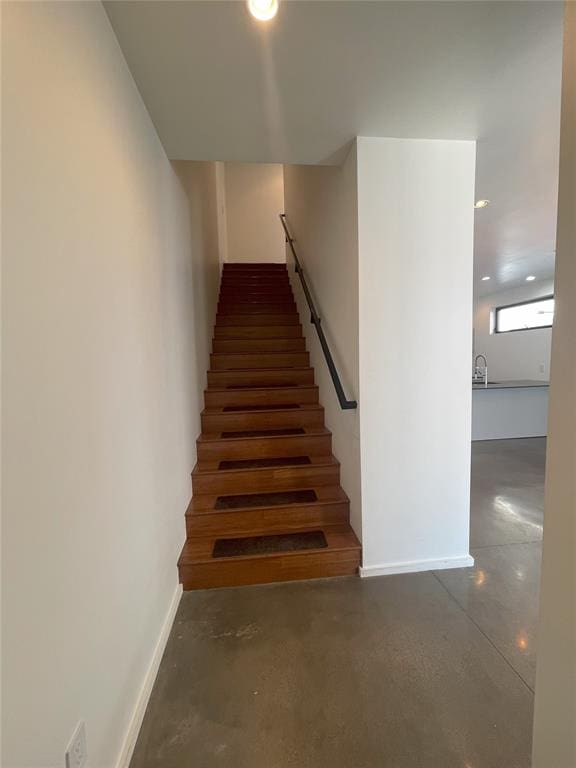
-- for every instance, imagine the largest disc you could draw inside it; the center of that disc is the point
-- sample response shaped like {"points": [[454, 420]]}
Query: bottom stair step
{"points": [[337, 553]]}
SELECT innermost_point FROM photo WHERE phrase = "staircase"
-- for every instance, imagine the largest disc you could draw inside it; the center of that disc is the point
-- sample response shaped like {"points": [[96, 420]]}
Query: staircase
{"points": [[267, 503]]}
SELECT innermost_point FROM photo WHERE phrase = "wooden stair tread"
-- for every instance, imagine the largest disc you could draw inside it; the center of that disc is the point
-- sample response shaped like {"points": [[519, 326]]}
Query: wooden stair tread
{"points": [[268, 265], [217, 437], [203, 467], [276, 307], [199, 550], [241, 332], [264, 378], [278, 318], [264, 388], [206, 504], [263, 476], [256, 293], [262, 418], [272, 410], [279, 352], [254, 371]]}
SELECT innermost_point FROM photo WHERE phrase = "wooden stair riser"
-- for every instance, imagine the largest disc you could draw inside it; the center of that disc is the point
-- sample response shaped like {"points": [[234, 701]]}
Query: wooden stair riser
{"points": [[229, 572], [270, 307], [254, 266], [264, 447], [259, 345], [255, 289], [224, 362], [257, 272], [273, 319], [274, 299], [244, 288], [255, 299], [243, 271], [274, 396], [248, 285], [259, 378], [256, 309], [239, 269], [256, 292], [251, 279], [226, 482], [235, 273], [275, 419], [258, 332], [269, 520]]}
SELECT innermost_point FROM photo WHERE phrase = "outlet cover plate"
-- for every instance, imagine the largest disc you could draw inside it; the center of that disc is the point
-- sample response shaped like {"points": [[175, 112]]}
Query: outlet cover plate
{"points": [[76, 753]]}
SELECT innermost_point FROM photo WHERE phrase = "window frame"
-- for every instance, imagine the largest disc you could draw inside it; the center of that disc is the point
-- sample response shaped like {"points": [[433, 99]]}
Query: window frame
{"points": [[521, 304]]}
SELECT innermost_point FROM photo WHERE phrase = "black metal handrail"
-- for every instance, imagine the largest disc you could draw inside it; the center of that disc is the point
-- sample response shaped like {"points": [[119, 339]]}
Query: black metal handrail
{"points": [[345, 404]]}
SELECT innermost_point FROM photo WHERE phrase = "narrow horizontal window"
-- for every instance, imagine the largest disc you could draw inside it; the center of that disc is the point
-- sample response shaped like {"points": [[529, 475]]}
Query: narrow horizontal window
{"points": [[525, 316]]}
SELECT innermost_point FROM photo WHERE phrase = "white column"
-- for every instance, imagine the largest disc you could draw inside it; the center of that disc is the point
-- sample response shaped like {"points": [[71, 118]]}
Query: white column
{"points": [[555, 707], [415, 235]]}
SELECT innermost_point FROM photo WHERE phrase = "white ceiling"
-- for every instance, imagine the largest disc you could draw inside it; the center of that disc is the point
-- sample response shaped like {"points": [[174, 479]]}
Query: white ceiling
{"points": [[221, 86]]}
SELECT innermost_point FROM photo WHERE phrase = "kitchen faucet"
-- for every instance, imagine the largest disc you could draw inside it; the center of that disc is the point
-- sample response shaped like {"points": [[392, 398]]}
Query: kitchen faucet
{"points": [[477, 370]]}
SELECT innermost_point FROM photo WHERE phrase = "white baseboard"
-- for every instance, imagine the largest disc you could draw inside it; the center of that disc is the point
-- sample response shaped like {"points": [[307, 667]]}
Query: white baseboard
{"points": [[415, 566], [133, 730]]}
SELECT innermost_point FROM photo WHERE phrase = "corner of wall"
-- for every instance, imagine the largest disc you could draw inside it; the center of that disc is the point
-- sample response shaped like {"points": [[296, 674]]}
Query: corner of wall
{"points": [[143, 696]]}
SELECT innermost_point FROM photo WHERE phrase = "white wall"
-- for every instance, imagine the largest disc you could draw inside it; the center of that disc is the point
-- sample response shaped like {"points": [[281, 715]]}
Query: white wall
{"points": [[254, 198], [101, 400], [555, 704], [415, 234], [513, 355], [200, 180], [321, 206]]}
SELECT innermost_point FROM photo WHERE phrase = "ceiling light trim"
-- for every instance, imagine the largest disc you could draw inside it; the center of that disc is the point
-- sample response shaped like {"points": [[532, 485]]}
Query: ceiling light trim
{"points": [[263, 10]]}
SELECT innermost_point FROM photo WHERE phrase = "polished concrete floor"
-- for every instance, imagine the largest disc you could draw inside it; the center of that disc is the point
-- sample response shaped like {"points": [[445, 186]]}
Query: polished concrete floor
{"points": [[430, 670]]}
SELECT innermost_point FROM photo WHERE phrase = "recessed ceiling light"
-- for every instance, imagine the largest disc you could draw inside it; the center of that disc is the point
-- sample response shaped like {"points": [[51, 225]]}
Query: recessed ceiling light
{"points": [[530, 278], [263, 10], [481, 203], [486, 277]]}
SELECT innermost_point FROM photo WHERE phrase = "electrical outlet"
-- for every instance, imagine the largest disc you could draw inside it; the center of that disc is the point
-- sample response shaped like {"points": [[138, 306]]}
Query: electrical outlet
{"points": [[542, 368], [76, 753]]}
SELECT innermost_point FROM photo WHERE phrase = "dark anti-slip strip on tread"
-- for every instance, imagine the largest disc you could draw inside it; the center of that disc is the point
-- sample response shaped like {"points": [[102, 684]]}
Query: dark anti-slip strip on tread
{"points": [[290, 461], [265, 545], [264, 432], [276, 499], [279, 407]]}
